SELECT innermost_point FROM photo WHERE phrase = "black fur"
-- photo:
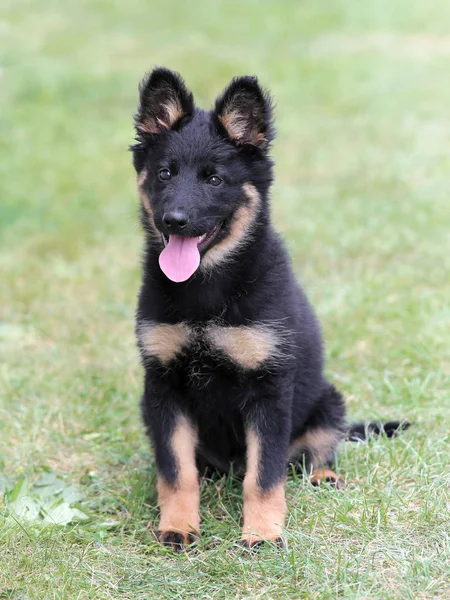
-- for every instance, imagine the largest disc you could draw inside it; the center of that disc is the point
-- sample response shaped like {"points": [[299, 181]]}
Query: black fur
{"points": [[359, 432], [281, 399]]}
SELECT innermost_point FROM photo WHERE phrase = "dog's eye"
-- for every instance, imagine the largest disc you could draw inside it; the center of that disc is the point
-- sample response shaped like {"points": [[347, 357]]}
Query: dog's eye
{"points": [[214, 180], [164, 174]]}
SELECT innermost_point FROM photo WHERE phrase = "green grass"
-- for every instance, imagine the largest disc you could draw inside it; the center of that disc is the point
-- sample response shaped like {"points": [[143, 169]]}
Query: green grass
{"points": [[363, 96]]}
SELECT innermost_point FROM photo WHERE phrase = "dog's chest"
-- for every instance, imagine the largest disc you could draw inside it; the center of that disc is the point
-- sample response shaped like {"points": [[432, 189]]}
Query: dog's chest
{"points": [[245, 347]]}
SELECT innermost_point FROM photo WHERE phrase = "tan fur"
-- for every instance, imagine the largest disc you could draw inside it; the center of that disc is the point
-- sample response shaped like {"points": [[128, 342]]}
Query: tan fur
{"points": [[145, 200], [236, 126], [325, 474], [320, 442], [264, 512], [240, 227], [173, 112], [248, 346], [148, 209], [163, 341], [179, 504], [147, 126], [142, 176], [233, 123]]}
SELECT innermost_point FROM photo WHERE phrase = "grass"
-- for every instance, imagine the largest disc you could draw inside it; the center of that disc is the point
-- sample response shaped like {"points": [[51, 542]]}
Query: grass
{"points": [[361, 197]]}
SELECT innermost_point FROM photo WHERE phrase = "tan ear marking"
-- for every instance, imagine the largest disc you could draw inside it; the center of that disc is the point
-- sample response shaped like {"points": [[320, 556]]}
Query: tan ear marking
{"points": [[148, 126], [234, 124], [163, 341], [172, 112], [238, 128]]}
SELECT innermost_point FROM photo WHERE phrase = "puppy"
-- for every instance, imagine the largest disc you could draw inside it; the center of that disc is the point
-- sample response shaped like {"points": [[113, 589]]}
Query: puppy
{"points": [[231, 348]]}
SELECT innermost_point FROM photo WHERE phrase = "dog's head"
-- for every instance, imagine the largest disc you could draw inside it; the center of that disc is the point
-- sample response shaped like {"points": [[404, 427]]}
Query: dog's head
{"points": [[202, 176]]}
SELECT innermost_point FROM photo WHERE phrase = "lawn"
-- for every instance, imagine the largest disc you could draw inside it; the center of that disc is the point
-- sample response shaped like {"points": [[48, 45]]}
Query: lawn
{"points": [[362, 199]]}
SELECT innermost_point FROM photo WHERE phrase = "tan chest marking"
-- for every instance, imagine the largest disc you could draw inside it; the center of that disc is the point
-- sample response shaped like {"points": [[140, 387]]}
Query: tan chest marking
{"points": [[163, 341], [239, 229], [247, 346]]}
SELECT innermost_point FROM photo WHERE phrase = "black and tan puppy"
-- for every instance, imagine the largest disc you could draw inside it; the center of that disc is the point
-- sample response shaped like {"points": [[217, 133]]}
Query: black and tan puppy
{"points": [[231, 347]]}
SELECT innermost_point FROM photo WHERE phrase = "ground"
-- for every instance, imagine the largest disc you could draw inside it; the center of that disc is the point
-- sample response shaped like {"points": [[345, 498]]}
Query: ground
{"points": [[362, 99]]}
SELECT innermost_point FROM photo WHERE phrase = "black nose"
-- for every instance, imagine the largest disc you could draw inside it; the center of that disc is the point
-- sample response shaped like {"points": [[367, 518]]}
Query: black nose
{"points": [[175, 220]]}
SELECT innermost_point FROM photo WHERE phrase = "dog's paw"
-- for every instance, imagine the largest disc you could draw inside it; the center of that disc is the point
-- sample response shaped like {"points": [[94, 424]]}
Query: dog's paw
{"points": [[253, 541], [324, 475], [177, 540]]}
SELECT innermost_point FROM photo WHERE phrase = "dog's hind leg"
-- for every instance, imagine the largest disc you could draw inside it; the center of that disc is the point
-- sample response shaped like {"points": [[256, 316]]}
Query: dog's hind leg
{"points": [[326, 475], [313, 449], [313, 452]]}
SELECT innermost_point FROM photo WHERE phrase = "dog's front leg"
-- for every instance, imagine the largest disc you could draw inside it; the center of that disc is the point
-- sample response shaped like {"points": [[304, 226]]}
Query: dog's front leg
{"points": [[178, 489], [267, 437], [174, 441]]}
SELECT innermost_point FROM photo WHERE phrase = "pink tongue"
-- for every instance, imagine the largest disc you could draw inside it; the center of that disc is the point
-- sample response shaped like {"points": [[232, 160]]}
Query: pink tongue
{"points": [[180, 258]]}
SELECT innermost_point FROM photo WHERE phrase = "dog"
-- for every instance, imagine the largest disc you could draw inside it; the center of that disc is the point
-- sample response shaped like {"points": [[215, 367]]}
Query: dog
{"points": [[231, 347]]}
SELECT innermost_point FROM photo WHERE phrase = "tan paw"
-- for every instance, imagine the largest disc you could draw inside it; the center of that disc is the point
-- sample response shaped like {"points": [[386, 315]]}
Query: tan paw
{"points": [[325, 475]]}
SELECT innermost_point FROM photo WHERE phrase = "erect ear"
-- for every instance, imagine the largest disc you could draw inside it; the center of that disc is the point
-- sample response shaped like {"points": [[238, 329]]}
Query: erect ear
{"points": [[164, 100], [245, 111]]}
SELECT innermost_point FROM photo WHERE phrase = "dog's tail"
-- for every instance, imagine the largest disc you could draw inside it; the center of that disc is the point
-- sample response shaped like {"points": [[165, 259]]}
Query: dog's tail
{"points": [[359, 432]]}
